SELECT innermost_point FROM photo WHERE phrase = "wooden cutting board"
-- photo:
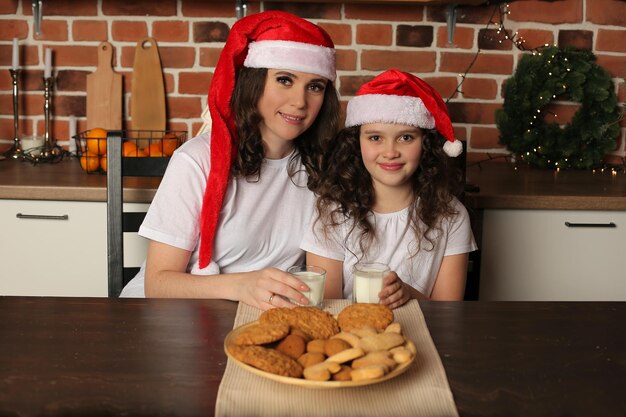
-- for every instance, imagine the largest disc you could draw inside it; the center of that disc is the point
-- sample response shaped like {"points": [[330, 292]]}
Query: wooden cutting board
{"points": [[147, 103], [104, 93]]}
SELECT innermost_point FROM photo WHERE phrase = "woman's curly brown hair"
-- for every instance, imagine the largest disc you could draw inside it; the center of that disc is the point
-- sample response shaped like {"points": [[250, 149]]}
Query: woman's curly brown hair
{"points": [[310, 145], [346, 192]]}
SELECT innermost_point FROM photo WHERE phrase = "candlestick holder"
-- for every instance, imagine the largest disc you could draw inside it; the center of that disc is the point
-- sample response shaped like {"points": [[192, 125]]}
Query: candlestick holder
{"points": [[47, 86], [49, 152], [15, 151]]}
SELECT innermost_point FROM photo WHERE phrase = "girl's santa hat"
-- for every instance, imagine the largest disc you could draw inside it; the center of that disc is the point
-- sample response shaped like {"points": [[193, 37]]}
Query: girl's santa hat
{"points": [[401, 98], [271, 39]]}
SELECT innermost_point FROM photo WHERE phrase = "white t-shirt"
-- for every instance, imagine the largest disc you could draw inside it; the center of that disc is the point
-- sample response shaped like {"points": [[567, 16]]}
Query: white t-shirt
{"points": [[260, 225], [395, 242]]}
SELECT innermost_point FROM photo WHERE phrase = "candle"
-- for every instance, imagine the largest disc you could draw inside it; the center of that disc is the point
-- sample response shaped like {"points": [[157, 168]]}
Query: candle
{"points": [[47, 73], [72, 145], [72, 123], [16, 55]]}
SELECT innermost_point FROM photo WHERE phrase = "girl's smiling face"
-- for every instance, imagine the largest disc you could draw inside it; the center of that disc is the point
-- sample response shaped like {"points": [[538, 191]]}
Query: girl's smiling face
{"points": [[289, 105], [391, 153]]}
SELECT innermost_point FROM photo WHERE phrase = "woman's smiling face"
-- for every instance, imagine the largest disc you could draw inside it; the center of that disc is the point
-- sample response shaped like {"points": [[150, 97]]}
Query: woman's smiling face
{"points": [[290, 104]]}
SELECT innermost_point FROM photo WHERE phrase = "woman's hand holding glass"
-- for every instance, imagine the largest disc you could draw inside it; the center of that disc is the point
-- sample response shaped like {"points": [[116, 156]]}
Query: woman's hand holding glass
{"points": [[271, 287]]}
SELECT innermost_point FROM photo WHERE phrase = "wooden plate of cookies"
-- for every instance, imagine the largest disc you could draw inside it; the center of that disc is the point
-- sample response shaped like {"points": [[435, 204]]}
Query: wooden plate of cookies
{"points": [[290, 351]]}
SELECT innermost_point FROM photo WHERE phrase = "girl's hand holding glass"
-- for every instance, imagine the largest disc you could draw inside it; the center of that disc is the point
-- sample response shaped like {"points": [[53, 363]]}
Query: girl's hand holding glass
{"points": [[395, 292]]}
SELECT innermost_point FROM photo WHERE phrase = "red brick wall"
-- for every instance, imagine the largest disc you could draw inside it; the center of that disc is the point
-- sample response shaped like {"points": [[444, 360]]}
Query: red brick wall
{"points": [[370, 38]]}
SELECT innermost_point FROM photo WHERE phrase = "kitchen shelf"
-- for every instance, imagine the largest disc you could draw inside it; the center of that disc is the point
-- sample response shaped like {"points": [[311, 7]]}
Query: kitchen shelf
{"points": [[457, 2]]}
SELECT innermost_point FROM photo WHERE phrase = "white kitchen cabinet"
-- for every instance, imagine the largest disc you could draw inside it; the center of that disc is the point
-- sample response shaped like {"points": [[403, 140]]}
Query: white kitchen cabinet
{"points": [[58, 248], [53, 248], [533, 255], [135, 246]]}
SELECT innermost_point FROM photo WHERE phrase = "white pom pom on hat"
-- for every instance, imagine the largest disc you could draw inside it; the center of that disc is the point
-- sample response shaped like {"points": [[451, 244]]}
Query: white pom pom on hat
{"points": [[402, 98]]}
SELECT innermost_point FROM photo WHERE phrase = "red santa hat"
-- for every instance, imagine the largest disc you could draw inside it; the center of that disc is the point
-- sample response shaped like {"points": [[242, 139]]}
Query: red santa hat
{"points": [[271, 39], [401, 98]]}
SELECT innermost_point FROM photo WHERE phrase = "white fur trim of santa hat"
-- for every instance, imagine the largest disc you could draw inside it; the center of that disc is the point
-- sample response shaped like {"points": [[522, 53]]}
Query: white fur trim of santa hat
{"points": [[295, 56], [383, 108]]}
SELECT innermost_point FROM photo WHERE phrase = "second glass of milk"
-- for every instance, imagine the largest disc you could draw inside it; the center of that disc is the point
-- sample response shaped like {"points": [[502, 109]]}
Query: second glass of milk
{"points": [[315, 278], [367, 281]]}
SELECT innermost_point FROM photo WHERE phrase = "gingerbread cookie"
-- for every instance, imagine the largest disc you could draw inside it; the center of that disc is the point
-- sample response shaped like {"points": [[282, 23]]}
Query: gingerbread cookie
{"points": [[343, 374], [311, 358], [357, 316], [268, 360], [332, 346]]}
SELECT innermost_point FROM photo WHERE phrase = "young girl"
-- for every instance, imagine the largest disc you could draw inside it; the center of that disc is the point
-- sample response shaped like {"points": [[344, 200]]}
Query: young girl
{"points": [[388, 196], [229, 215]]}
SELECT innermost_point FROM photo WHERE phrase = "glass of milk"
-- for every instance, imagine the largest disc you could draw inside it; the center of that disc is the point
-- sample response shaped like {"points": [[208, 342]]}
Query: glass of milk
{"points": [[315, 278], [367, 281]]}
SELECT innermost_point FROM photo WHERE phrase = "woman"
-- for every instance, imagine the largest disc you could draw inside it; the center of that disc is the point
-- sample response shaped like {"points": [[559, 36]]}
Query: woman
{"points": [[230, 212]]}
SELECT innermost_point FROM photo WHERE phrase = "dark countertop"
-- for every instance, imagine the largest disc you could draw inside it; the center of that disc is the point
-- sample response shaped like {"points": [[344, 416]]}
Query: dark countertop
{"points": [[65, 181], [501, 186], [507, 186]]}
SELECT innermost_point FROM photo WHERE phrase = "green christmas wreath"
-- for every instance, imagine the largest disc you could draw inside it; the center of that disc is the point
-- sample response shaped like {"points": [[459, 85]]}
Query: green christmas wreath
{"points": [[561, 74]]}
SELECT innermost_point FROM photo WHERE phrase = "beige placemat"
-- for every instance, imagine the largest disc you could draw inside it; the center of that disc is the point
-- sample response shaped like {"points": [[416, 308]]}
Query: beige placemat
{"points": [[423, 390]]}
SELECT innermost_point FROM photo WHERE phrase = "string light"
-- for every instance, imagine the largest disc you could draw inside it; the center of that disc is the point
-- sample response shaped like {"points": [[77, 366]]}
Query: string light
{"points": [[513, 38], [519, 43]]}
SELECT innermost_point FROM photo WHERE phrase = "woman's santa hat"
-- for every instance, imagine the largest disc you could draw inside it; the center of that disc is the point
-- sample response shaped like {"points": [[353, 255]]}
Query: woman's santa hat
{"points": [[401, 98], [271, 39]]}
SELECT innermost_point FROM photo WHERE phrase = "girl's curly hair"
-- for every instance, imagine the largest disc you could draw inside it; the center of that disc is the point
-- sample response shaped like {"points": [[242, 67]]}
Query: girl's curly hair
{"points": [[310, 145], [346, 192]]}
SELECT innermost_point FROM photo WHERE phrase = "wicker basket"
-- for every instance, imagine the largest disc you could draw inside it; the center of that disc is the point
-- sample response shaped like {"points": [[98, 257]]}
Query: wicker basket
{"points": [[91, 146]]}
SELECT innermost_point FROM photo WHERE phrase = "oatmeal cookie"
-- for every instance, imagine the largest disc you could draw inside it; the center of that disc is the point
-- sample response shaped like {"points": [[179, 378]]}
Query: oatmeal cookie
{"points": [[357, 316], [314, 322], [261, 333], [268, 360]]}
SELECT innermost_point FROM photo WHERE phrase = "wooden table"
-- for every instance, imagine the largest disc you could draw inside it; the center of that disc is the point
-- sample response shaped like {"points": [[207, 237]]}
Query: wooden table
{"points": [[109, 357]]}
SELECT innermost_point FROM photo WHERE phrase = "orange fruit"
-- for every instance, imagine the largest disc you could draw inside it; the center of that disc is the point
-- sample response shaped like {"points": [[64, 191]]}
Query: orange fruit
{"points": [[90, 162], [170, 143], [103, 163], [129, 148], [156, 153], [155, 149], [97, 141]]}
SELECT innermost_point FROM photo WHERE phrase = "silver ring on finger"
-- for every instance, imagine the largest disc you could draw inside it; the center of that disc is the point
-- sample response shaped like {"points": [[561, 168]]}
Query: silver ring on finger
{"points": [[271, 298]]}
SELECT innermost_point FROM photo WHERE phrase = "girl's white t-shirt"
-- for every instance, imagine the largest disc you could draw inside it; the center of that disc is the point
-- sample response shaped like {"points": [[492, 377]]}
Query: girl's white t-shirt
{"points": [[394, 245], [260, 225]]}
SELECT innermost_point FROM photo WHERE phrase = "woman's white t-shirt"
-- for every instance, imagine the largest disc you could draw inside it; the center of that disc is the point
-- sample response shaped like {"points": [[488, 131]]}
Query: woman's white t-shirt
{"points": [[260, 225], [394, 245]]}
